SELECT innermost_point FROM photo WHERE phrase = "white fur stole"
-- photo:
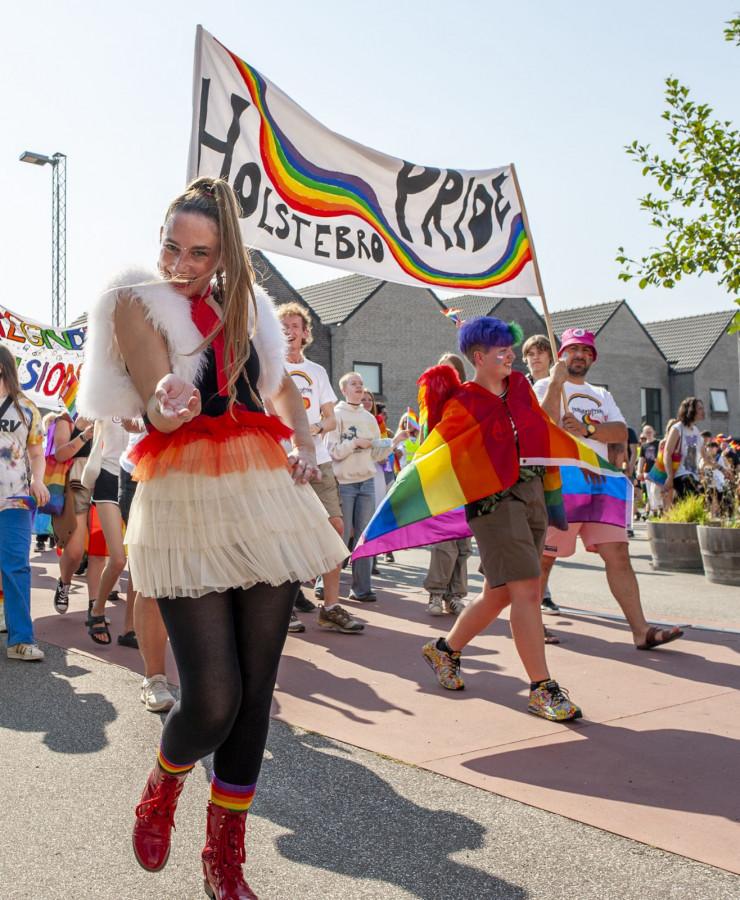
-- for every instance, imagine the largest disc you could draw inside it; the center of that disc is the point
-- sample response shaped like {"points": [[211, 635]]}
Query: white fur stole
{"points": [[106, 388]]}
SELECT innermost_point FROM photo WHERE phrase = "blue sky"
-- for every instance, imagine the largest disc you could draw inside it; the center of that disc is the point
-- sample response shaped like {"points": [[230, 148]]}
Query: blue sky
{"points": [[557, 89]]}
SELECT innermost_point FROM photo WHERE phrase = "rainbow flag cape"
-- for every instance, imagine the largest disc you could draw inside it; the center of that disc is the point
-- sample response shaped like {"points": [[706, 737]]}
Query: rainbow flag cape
{"points": [[68, 395], [471, 453]]}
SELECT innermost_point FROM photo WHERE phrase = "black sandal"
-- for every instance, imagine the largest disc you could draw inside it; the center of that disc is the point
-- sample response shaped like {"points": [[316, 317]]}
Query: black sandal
{"points": [[129, 640], [97, 628]]}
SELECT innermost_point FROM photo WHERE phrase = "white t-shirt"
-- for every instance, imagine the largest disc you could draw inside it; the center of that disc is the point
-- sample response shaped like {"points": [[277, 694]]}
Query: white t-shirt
{"points": [[691, 443], [315, 388], [589, 404], [115, 439]]}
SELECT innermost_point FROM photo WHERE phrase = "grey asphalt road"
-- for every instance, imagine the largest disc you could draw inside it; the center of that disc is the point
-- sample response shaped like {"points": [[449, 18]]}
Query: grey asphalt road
{"points": [[329, 820]]}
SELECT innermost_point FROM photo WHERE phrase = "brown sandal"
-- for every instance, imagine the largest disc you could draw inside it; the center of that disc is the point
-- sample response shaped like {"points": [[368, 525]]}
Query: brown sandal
{"points": [[656, 637]]}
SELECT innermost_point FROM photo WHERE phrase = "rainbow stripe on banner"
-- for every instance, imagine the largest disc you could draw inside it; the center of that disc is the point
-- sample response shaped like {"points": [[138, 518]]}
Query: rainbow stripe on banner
{"points": [[68, 395], [468, 455], [317, 191]]}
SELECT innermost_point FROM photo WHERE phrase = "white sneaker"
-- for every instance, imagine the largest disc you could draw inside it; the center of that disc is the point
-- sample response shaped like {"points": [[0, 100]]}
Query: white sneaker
{"points": [[436, 606], [26, 652], [3, 626], [455, 604], [156, 695]]}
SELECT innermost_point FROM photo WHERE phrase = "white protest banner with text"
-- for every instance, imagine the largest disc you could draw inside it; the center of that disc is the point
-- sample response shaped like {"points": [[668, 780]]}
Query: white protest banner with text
{"points": [[46, 356], [310, 193]]}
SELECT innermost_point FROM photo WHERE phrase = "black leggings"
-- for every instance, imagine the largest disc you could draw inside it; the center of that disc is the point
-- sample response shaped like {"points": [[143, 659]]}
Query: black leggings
{"points": [[227, 648]]}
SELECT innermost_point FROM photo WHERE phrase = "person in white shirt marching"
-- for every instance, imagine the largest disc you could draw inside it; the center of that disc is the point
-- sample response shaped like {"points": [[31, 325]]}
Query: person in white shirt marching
{"points": [[355, 446], [590, 414], [318, 398]]}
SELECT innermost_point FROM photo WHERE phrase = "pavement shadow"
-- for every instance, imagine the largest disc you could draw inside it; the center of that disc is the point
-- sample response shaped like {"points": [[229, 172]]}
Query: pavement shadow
{"points": [[681, 659], [656, 768], [41, 697], [394, 840], [316, 684], [388, 649]]}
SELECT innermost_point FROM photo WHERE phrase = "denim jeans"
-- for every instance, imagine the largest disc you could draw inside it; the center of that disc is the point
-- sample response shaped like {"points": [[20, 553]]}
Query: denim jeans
{"points": [[15, 565], [358, 506]]}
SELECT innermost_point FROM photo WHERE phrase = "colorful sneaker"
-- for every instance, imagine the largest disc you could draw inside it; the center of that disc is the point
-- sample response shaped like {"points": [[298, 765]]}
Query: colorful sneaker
{"points": [[155, 694], [436, 605], [295, 625], [551, 702], [339, 619], [26, 652], [61, 597], [446, 666], [455, 604]]}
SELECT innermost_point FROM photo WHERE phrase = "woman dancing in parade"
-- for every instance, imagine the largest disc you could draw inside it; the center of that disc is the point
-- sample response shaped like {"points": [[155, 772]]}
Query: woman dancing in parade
{"points": [[196, 351]]}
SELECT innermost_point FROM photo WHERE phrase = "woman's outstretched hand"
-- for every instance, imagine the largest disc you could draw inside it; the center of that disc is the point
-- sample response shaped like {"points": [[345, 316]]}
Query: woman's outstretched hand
{"points": [[177, 398]]}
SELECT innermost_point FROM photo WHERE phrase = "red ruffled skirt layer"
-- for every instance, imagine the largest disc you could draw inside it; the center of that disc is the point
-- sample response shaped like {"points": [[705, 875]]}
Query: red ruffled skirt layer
{"points": [[213, 446], [216, 508]]}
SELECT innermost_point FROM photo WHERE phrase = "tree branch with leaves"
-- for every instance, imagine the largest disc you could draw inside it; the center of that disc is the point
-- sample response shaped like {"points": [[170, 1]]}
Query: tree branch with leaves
{"points": [[698, 211]]}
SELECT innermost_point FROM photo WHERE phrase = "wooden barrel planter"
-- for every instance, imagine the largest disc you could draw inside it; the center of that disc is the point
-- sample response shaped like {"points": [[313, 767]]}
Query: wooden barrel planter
{"points": [[720, 552], [674, 546]]}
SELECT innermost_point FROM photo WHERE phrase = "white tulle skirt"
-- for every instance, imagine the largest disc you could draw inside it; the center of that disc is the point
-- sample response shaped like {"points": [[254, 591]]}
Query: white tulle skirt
{"points": [[213, 512]]}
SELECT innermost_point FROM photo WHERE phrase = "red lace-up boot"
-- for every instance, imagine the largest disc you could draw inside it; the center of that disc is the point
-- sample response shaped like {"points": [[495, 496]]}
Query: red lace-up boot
{"points": [[223, 855], [155, 818]]}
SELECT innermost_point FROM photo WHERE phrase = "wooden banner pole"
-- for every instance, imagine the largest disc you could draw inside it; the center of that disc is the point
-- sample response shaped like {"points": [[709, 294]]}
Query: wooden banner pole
{"points": [[537, 275], [538, 278]]}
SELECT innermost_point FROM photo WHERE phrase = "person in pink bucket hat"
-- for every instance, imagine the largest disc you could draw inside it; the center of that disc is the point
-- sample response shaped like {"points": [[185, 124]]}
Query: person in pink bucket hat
{"points": [[589, 413]]}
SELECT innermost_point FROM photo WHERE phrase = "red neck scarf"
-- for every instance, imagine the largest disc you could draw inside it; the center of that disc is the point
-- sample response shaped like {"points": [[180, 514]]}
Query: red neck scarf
{"points": [[206, 321]]}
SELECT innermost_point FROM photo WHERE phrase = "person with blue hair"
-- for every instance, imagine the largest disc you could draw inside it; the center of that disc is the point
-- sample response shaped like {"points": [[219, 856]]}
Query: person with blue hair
{"points": [[510, 525]]}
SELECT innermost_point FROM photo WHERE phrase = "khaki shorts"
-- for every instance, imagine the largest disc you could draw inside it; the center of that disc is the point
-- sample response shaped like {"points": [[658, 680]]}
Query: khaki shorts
{"points": [[327, 490], [563, 543], [512, 537]]}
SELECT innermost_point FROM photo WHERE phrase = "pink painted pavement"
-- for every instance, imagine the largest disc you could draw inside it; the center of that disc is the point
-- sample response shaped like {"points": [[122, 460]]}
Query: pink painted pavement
{"points": [[655, 757]]}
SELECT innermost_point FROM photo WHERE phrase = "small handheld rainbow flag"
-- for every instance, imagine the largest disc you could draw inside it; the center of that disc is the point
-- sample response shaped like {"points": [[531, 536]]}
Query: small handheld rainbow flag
{"points": [[453, 314], [68, 395]]}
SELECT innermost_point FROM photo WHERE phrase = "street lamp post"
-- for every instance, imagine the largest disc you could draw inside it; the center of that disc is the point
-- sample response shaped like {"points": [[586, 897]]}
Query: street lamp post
{"points": [[58, 163]]}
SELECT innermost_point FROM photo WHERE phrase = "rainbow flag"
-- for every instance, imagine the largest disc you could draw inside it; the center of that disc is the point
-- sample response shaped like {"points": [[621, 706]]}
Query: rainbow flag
{"points": [[658, 474], [68, 396], [471, 454], [453, 314]]}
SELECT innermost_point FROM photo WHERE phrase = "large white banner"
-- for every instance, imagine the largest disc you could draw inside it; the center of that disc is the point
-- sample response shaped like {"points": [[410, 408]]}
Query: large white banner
{"points": [[310, 193], [47, 357]]}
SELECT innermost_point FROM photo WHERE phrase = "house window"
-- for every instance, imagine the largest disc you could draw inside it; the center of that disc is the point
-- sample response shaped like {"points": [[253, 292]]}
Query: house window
{"points": [[718, 399], [372, 375], [652, 413]]}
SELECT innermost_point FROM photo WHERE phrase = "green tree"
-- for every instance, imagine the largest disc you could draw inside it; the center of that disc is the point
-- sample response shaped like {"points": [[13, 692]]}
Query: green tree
{"points": [[698, 212]]}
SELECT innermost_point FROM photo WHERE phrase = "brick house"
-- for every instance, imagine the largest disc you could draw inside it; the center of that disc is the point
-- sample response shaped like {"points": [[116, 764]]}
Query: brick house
{"points": [[703, 362]]}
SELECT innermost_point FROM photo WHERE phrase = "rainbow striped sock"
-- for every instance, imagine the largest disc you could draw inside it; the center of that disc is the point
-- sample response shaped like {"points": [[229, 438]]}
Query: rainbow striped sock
{"points": [[171, 768], [234, 797]]}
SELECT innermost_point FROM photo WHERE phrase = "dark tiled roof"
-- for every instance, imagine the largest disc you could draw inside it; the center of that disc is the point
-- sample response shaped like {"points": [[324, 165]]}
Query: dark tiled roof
{"points": [[470, 304], [335, 301], [685, 342], [592, 318]]}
